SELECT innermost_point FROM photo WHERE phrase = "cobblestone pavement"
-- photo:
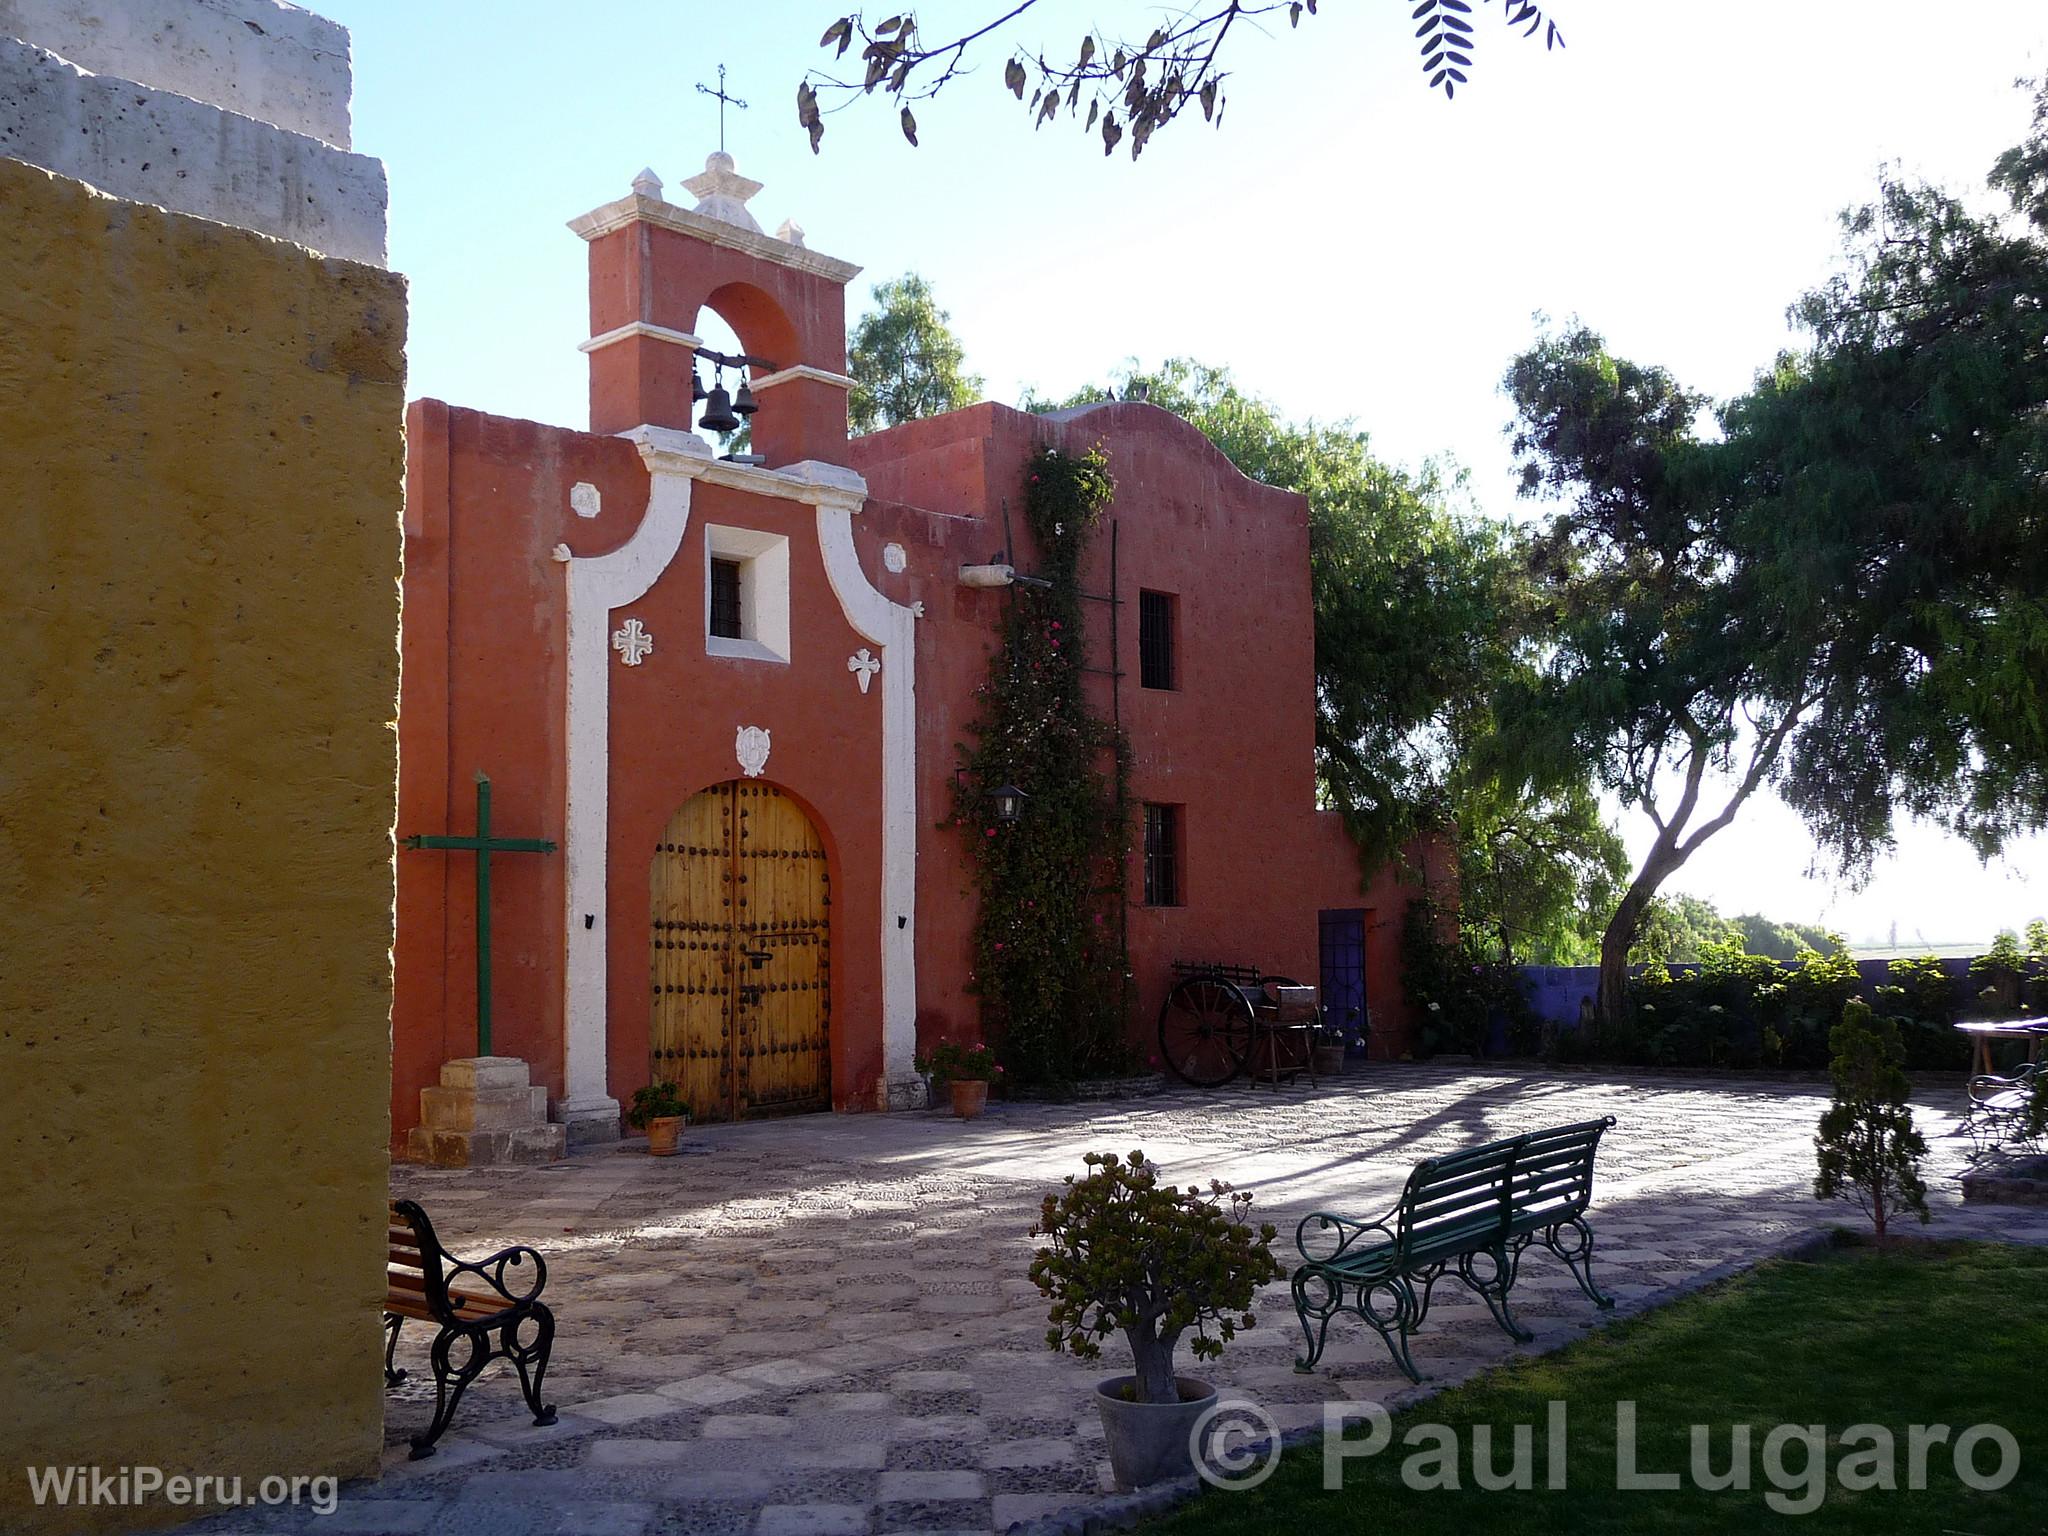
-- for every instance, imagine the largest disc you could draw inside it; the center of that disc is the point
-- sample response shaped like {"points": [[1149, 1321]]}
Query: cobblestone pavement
{"points": [[822, 1325]]}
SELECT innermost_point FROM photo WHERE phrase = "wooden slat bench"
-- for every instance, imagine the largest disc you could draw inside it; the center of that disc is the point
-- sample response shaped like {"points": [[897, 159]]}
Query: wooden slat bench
{"points": [[485, 1315], [1490, 1202]]}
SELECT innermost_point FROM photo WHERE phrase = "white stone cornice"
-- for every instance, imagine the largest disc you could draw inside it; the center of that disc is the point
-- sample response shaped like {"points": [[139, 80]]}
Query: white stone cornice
{"points": [[812, 482], [635, 208], [639, 328], [801, 371]]}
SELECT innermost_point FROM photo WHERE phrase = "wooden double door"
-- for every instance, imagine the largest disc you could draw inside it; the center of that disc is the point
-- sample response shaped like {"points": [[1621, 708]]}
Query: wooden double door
{"points": [[742, 969]]}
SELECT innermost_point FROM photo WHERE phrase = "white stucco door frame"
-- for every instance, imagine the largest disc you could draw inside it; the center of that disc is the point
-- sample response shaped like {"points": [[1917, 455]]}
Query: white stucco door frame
{"points": [[596, 586]]}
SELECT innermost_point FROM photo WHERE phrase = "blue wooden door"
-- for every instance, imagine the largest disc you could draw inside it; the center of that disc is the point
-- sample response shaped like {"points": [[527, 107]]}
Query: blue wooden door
{"points": [[1343, 973]]}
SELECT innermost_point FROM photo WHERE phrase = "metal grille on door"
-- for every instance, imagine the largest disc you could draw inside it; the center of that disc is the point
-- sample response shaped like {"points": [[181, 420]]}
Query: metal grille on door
{"points": [[741, 962]]}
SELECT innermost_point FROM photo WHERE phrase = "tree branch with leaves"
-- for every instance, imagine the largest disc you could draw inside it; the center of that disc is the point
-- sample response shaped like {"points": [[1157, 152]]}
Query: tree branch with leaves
{"points": [[1134, 84]]}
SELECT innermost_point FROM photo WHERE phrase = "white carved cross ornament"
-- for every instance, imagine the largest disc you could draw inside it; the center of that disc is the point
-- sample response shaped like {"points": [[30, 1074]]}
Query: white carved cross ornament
{"points": [[633, 643], [863, 666]]}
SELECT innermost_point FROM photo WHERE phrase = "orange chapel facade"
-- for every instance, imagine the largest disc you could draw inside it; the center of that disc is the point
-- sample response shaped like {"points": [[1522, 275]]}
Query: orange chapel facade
{"points": [[730, 693]]}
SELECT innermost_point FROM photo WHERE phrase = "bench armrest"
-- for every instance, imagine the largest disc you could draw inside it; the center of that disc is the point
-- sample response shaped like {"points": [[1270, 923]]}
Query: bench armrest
{"points": [[492, 1272], [1984, 1085], [1349, 1232]]}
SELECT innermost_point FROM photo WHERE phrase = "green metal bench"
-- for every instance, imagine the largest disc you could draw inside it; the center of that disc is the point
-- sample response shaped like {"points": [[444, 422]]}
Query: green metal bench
{"points": [[1487, 1203]]}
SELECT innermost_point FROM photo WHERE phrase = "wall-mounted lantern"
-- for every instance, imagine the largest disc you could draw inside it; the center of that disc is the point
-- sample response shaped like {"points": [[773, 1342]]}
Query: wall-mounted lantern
{"points": [[1008, 802]]}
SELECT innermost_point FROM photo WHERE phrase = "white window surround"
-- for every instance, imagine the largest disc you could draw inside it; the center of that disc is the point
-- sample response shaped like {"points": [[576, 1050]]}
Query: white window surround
{"points": [[763, 559]]}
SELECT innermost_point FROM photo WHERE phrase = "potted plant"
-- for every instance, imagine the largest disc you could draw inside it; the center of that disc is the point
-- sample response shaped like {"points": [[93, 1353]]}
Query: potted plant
{"points": [[1125, 1253], [1329, 1046], [968, 1070], [660, 1111]]}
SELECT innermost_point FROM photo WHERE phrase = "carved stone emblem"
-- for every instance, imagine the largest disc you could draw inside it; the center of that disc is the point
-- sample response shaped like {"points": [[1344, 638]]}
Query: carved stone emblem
{"points": [[583, 499], [863, 666], [633, 643], [894, 559], [751, 748]]}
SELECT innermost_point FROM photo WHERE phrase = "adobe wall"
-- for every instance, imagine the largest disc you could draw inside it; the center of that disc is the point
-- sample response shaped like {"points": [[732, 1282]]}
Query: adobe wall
{"points": [[201, 430], [488, 500], [1233, 743]]}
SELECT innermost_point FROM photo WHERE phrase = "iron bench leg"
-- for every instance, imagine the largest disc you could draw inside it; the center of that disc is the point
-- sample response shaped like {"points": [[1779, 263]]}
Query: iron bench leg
{"points": [[1322, 1310], [392, 1323], [1494, 1289], [534, 1355], [1394, 1320], [1577, 1256], [447, 1396]]}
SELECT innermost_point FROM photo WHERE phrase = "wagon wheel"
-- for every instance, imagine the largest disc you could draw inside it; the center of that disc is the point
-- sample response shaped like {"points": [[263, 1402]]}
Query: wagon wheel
{"points": [[1205, 1031]]}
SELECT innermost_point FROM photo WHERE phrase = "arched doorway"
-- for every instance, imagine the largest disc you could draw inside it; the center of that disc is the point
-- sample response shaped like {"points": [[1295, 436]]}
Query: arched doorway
{"points": [[741, 955]]}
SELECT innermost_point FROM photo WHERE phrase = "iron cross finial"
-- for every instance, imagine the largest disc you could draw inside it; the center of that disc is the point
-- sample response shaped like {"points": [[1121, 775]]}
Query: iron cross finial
{"points": [[723, 100]]}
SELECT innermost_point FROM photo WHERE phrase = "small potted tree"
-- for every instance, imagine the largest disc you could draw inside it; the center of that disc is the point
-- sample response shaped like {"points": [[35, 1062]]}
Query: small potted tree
{"points": [[1126, 1253], [968, 1070], [660, 1111]]}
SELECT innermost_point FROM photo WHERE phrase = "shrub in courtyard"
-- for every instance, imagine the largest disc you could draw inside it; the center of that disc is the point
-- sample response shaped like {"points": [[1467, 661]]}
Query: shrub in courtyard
{"points": [[1924, 997], [1457, 990], [1868, 1150], [1801, 1005], [1126, 1253]]}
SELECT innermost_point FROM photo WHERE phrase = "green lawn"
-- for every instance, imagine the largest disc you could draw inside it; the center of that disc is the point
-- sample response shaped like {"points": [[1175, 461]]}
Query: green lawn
{"points": [[1927, 1334]]}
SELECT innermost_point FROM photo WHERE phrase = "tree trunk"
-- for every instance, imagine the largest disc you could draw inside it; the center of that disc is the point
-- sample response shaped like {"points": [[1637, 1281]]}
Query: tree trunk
{"points": [[1612, 1006], [1152, 1360]]}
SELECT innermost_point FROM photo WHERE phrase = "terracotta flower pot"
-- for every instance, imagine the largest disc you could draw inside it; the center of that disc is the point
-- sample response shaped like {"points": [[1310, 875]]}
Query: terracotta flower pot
{"points": [[969, 1099], [1330, 1060], [1150, 1442], [662, 1132]]}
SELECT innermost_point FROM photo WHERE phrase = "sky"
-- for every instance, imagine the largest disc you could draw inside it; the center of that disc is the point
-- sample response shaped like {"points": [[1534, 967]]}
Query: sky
{"points": [[1352, 246]]}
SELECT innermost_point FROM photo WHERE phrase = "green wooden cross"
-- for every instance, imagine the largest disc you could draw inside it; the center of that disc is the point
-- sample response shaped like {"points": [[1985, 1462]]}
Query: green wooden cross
{"points": [[483, 845]]}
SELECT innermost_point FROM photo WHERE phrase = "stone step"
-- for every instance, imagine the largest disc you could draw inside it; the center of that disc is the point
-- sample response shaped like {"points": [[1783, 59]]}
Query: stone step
{"points": [[483, 1109], [479, 1072], [519, 1146]]}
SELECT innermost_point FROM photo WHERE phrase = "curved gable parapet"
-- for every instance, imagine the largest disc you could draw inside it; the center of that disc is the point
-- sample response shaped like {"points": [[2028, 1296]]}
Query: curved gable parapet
{"points": [[1109, 417]]}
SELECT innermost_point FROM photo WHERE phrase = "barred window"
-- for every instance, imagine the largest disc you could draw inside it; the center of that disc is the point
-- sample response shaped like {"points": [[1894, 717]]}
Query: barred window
{"points": [[1155, 639], [725, 599], [1162, 855]]}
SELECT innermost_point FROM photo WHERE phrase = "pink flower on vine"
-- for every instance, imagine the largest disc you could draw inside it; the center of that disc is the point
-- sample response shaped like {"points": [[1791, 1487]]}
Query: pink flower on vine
{"points": [[989, 832]]}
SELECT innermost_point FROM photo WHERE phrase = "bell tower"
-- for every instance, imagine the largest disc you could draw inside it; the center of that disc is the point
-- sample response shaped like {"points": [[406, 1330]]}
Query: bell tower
{"points": [[654, 265]]}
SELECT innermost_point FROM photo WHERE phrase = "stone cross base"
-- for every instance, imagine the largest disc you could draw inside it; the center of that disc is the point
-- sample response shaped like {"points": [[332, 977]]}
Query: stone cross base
{"points": [[484, 1114]]}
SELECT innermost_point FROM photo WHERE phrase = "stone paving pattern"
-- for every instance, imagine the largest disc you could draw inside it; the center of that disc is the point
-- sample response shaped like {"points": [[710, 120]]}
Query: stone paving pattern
{"points": [[821, 1325]]}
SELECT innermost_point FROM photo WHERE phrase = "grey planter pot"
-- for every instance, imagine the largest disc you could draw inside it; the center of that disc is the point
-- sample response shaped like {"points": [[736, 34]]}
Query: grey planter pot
{"points": [[1148, 1442]]}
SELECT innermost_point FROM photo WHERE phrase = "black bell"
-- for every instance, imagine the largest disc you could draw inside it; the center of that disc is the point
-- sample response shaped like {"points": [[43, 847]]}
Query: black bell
{"points": [[743, 403], [696, 387], [718, 416]]}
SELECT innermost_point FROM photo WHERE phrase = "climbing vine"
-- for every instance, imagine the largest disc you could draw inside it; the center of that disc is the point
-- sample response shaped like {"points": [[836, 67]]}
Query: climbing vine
{"points": [[1049, 963]]}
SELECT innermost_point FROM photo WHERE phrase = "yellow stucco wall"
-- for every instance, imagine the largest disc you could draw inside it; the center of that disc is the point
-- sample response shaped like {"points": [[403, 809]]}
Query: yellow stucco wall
{"points": [[200, 488]]}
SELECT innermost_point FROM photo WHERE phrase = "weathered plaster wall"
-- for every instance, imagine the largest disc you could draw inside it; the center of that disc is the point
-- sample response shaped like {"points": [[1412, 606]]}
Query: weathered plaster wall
{"points": [[1233, 744], [273, 62], [201, 430], [487, 501], [156, 146]]}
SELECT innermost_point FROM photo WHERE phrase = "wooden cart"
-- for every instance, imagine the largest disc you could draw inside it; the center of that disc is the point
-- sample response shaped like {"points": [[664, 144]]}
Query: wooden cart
{"points": [[1221, 1020]]}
